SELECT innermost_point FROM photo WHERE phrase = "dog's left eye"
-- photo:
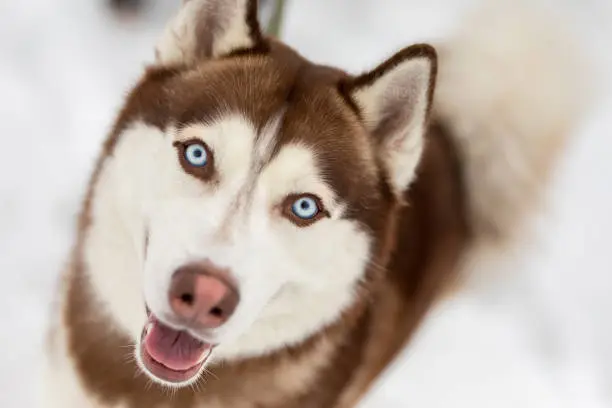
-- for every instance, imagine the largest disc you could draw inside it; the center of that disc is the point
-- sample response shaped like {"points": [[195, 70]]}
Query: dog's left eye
{"points": [[196, 154], [303, 209]]}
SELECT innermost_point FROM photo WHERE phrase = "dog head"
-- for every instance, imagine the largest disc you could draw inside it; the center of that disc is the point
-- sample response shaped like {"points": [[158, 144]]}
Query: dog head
{"points": [[246, 195]]}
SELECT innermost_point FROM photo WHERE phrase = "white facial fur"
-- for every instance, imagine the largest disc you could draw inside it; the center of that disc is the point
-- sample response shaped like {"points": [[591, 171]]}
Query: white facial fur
{"points": [[292, 280]]}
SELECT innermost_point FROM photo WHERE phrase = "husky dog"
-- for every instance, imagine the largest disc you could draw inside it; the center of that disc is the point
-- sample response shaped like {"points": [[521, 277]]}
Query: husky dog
{"points": [[263, 231]]}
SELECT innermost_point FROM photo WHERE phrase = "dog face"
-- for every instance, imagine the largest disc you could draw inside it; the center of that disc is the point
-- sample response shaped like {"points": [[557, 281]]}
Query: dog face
{"points": [[246, 194]]}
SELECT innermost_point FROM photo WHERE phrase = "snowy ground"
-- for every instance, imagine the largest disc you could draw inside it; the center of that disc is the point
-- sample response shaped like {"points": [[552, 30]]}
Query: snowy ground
{"points": [[539, 337]]}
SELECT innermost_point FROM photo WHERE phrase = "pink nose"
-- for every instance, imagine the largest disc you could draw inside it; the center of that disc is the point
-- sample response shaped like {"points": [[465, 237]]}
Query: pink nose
{"points": [[201, 294]]}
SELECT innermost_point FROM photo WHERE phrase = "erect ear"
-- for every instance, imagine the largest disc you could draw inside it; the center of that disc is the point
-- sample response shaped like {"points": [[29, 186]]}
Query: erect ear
{"points": [[394, 100], [210, 28]]}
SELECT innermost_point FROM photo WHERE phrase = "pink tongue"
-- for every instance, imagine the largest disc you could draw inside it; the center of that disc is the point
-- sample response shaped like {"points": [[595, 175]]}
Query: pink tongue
{"points": [[177, 350]]}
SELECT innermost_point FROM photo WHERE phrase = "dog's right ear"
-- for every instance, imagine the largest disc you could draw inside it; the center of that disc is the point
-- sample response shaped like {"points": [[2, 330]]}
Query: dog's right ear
{"points": [[205, 29]]}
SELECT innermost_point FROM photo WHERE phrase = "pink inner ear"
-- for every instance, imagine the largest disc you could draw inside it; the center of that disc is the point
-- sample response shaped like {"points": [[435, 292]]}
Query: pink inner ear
{"points": [[398, 103], [398, 97], [396, 141]]}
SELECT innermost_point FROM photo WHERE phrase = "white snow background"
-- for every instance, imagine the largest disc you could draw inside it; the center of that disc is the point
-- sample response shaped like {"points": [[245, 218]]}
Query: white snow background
{"points": [[538, 333]]}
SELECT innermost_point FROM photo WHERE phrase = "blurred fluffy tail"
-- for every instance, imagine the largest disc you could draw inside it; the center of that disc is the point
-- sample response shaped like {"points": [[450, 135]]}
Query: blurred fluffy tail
{"points": [[510, 90]]}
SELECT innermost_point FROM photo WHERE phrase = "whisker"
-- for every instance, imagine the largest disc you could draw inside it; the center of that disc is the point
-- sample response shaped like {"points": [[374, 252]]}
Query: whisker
{"points": [[206, 371], [129, 358]]}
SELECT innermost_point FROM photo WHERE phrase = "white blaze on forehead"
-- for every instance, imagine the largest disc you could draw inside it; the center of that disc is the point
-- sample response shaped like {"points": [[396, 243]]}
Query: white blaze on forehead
{"points": [[268, 139]]}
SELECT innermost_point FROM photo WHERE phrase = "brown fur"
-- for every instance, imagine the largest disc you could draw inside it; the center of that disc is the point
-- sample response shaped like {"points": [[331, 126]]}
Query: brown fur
{"points": [[418, 247]]}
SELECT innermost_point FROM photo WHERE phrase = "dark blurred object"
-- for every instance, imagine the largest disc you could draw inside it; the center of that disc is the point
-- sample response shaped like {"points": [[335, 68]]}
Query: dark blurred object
{"points": [[274, 19], [127, 6]]}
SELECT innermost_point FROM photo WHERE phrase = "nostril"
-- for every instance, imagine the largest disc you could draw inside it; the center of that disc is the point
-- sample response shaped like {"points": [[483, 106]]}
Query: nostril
{"points": [[187, 298], [216, 312]]}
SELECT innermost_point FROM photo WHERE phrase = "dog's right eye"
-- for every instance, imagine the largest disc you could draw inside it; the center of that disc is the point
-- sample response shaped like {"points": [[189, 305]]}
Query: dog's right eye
{"points": [[196, 154], [196, 158]]}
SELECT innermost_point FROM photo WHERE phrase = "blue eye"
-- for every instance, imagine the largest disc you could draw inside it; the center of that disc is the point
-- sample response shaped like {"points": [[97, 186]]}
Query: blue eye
{"points": [[305, 208], [196, 155]]}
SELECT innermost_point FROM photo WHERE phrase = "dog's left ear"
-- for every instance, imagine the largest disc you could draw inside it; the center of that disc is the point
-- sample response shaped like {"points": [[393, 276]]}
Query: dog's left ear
{"points": [[394, 101], [205, 29]]}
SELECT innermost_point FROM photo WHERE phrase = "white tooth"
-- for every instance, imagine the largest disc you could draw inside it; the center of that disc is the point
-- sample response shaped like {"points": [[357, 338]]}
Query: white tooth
{"points": [[148, 328]]}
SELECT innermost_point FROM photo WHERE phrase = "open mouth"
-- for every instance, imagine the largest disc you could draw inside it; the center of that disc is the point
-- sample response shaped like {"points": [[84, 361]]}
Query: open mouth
{"points": [[170, 355]]}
